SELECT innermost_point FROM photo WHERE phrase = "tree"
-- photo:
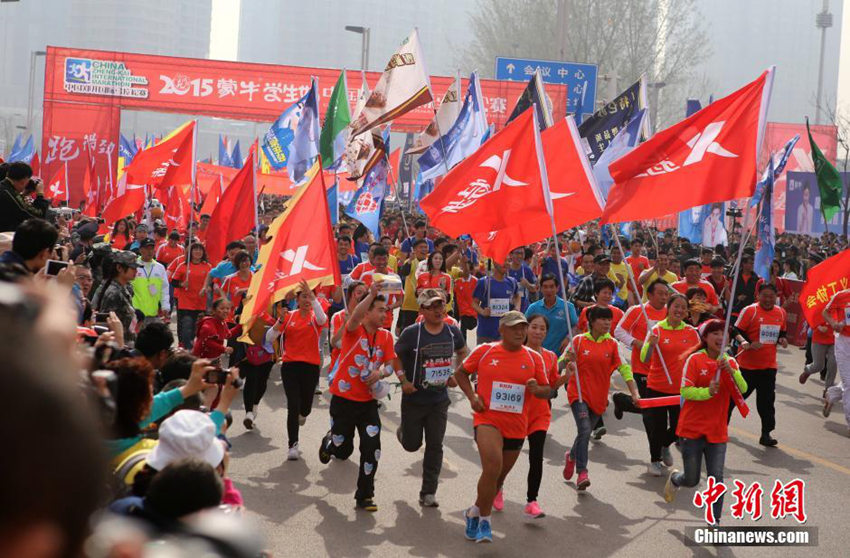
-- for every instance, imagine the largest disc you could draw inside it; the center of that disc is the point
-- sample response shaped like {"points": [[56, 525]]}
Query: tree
{"points": [[841, 120], [664, 39]]}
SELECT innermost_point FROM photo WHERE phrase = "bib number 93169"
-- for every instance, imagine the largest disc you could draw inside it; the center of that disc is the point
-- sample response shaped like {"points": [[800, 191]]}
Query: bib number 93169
{"points": [[507, 397]]}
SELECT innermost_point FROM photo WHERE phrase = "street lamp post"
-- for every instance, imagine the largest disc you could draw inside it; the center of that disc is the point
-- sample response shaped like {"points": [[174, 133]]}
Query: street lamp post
{"points": [[823, 21], [364, 44], [30, 101]]}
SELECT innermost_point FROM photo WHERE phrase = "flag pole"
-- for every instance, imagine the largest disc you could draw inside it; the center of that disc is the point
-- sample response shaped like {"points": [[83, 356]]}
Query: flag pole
{"points": [[67, 187], [394, 186], [192, 201], [254, 187]]}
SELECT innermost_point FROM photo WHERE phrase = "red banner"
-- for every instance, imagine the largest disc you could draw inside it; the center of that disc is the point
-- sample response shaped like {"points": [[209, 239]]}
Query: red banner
{"points": [[101, 83], [795, 321]]}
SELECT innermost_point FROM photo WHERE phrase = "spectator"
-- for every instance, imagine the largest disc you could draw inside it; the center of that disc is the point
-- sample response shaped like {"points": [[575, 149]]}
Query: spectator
{"points": [[15, 203], [115, 294], [181, 489], [154, 343], [32, 246], [120, 235], [140, 233]]}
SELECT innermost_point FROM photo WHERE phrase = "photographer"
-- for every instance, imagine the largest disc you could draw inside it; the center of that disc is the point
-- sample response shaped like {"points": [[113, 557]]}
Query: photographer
{"points": [[32, 246], [15, 204]]}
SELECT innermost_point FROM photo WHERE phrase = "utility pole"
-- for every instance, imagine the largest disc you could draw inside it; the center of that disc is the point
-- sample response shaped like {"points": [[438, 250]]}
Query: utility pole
{"points": [[823, 21]]}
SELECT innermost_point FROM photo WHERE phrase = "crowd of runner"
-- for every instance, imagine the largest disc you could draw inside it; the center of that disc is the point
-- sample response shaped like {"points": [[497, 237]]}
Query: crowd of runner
{"points": [[553, 315]]}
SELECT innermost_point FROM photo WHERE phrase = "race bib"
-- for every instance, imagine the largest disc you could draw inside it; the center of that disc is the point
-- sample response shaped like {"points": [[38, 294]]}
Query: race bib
{"points": [[506, 397], [437, 376], [499, 306], [768, 334]]}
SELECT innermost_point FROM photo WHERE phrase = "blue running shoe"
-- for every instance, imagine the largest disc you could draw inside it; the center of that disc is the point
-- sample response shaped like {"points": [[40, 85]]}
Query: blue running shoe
{"points": [[485, 533], [471, 526]]}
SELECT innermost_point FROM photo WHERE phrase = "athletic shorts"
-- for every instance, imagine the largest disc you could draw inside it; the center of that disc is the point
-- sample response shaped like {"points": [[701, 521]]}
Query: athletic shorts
{"points": [[508, 444]]}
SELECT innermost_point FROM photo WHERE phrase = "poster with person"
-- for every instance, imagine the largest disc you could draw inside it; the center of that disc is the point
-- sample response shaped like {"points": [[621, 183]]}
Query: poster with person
{"points": [[802, 205]]}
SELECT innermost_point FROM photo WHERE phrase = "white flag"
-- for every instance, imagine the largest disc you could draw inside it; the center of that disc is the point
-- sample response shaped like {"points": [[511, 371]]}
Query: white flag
{"points": [[446, 115], [403, 86]]}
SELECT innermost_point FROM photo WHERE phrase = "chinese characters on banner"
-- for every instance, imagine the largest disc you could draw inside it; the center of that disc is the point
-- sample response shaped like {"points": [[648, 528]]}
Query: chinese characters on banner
{"points": [[786, 500], [101, 83]]}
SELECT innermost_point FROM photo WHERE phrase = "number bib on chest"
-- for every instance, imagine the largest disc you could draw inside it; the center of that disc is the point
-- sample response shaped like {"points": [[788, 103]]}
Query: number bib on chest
{"points": [[506, 397], [437, 376], [768, 334], [499, 306]]}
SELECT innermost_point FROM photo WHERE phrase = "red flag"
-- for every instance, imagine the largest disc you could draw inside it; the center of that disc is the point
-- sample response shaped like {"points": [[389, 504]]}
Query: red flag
{"points": [[572, 187], [35, 164], [823, 281], [57, 188], [302, 247], [125, 204], [494, 188], [234, 215], [212, 198], [395, 160], [709, 157], [168, 163], [177, 210], [91, 190]]}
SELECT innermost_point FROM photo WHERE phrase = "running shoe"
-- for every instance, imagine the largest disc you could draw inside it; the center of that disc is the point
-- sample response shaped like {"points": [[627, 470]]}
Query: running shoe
{"points": [[533, 511], [324, 454], [656, 469], [569, 466], [618, 404], [767, 440], [667, 456], [471, 526], [485, 532], [429, 501], [670, 488], [293, 454], [583, 481], [248, 423], [599, 432], [804, 376], [367, 504], [827, 406], [499, 501]]}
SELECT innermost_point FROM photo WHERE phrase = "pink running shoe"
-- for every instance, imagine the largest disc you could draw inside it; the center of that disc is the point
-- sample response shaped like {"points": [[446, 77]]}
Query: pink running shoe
{"points": [[583, 481], [569, 466], [499, 501], [533, 511]]}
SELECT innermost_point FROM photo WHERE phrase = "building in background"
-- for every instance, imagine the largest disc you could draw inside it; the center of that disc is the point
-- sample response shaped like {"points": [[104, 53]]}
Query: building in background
{"points": [[169, 27]]}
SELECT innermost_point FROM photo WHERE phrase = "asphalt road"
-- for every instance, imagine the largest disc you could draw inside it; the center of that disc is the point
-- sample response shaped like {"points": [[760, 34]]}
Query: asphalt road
{"points": [[305, 508]]}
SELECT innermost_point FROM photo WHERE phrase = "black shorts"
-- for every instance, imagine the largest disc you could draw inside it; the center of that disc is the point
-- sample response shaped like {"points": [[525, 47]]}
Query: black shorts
{"points": [[508, 444]]}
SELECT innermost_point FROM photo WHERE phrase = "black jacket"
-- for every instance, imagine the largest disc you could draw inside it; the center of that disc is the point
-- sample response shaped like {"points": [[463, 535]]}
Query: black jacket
{"points": [[15, 209]]}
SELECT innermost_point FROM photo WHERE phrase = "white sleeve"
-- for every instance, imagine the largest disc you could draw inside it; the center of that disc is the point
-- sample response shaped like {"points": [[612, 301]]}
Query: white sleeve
{"points": [[623, 336], [321, 317]]}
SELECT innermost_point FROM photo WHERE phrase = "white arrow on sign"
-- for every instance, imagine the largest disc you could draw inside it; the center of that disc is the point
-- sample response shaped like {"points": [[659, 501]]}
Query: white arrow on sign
{"points": [[510, 68]]}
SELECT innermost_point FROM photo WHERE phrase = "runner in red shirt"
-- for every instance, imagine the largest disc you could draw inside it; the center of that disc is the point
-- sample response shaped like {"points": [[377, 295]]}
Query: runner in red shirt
{"points": [[509, 374], [702, 426], [301, 360], [188, 280], [759, 329], [354, 291], [435, 277], [464, 286], [592, 358], [639, 263], [674, 340], [693, 278], [167, 252], [836, 313], [604, 291], [365, 357], [235, 286]]}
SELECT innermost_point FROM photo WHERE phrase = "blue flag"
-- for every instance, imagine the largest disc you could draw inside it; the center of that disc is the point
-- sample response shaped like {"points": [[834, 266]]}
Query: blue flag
{"points": [[463, 139], [305, 144], [278, 140], [367, 204], [333, 203], [766, 242], [692, 106], [626, 139], [224, 159], [24, 153], [236, 157], [16, 146], [778, 160], [126, 149]]}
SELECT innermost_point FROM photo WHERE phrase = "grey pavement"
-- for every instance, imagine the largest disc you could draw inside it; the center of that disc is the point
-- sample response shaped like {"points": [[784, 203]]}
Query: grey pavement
{"points": [[305, 508]]}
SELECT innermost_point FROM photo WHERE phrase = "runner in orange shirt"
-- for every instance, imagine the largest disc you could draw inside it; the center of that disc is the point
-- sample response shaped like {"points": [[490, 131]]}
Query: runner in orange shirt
{"points": [[509, 374], [464, 286], [759, 329], [300, 362], [693, 278]]}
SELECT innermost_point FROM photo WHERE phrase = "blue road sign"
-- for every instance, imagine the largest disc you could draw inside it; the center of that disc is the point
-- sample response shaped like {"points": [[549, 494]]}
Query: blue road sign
{"points": [[580, 79]]}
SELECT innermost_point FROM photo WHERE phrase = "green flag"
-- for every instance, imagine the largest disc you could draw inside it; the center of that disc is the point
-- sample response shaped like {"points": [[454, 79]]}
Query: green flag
{"points": [[829, 181], [335, 130]]}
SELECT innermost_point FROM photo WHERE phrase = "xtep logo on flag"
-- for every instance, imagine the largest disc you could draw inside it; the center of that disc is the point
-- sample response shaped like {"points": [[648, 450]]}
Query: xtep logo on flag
{"points": [[366, 203], [55, 187], [702, 143], [481, 187], [298, 259], [163, 168]]}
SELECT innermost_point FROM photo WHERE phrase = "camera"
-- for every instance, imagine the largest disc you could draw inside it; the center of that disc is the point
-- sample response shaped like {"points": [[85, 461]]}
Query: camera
{"points": [[216, 376]]}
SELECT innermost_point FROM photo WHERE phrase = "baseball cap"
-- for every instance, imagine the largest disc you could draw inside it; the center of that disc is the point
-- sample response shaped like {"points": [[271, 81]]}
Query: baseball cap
{"points": [[430, 296], [147, 242], [141, 227], [125, 257], [186, 434], [601, 258], [512, 318]]}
